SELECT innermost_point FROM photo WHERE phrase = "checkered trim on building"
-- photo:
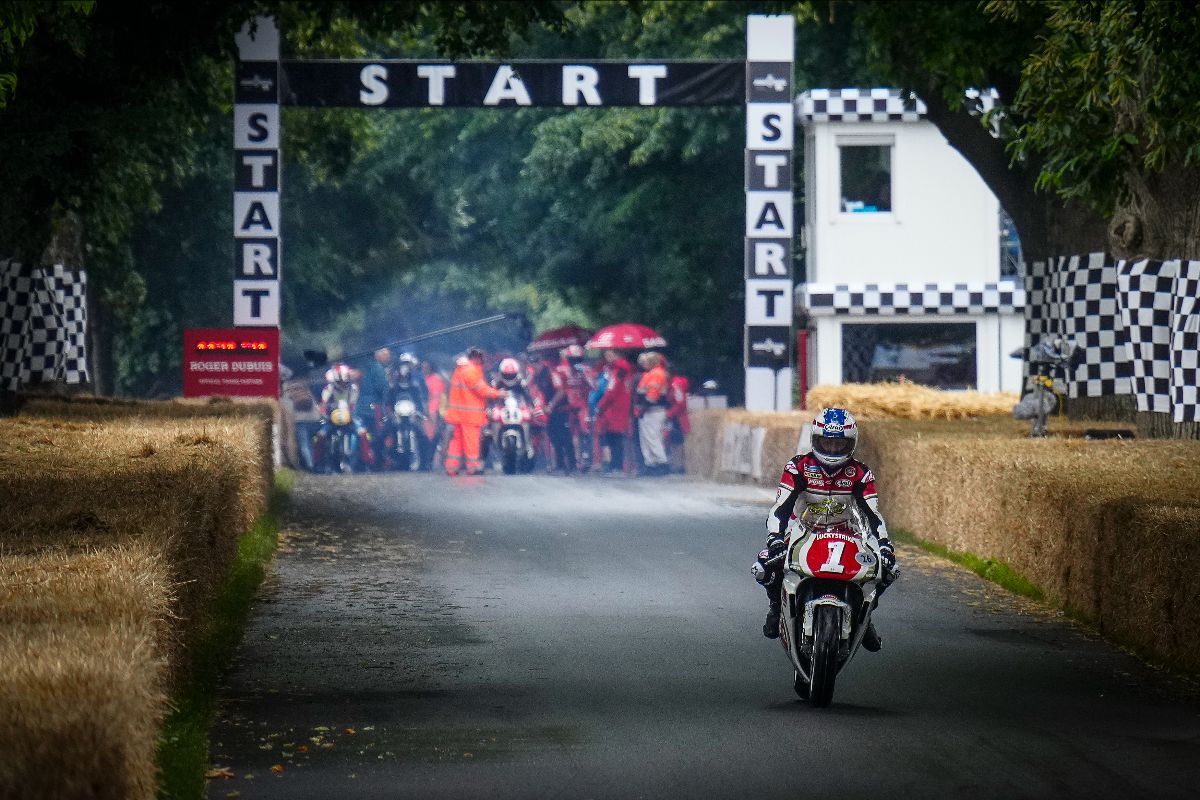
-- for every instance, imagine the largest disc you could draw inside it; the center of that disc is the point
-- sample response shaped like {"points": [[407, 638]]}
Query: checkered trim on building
{"points": [[858, 105], [1185, 344], [43, 325], [901, 299]]}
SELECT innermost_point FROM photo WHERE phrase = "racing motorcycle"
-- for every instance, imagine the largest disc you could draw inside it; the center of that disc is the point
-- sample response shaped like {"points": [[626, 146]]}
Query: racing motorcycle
{"points": [[510, 435], [832, 574], [406, 447], [341, 446]]}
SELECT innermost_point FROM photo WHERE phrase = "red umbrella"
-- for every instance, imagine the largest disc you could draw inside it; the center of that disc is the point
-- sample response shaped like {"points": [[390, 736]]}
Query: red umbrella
{"points": [[558, 338], [626, 336]]}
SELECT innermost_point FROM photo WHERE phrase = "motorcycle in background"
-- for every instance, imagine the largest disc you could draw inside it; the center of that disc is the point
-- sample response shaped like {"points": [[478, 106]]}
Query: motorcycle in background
{"points": [[406, 446], [832, 576], [510, 435], [341, 446]]}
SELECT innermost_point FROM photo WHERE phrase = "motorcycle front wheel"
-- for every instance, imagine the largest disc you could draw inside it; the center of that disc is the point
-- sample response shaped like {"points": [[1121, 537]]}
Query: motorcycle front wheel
{"points": [[508, 460], [800, 685], [827, 636]]}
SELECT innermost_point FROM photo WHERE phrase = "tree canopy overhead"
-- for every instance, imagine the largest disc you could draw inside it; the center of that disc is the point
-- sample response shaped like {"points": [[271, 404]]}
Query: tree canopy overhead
{"points": [[114, 152]]}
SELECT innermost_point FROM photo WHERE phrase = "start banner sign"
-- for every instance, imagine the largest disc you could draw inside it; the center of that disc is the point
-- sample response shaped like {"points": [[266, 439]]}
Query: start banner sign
{"points": [[231, 362]]}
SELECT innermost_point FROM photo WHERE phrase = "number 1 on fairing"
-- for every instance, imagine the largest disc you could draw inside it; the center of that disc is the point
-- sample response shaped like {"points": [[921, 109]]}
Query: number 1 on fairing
{"points": [[834, 562]]}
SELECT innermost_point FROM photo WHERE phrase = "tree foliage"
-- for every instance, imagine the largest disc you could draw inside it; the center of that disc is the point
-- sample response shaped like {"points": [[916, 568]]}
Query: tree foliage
{"points": [[1111, 89]]}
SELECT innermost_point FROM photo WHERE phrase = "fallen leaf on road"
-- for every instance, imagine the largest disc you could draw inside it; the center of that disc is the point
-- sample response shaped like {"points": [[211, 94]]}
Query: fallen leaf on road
{"points": [[302, 748], [277, 768], [350, 731], [234, 793], [219, 772]]}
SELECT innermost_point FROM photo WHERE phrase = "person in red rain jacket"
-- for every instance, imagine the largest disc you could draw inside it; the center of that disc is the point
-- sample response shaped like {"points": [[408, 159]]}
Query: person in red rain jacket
{"points": [[614, 411], [680, 425]]}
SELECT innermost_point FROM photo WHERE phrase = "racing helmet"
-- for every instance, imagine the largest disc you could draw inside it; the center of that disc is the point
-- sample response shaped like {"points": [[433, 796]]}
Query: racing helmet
{"points": [[339, 374], [834, 436], [408, 358], [510, 372]]}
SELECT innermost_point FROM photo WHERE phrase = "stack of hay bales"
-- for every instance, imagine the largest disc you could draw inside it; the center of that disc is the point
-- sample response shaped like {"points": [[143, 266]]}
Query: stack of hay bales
{"points": [[115, 533], [1109, 530]]}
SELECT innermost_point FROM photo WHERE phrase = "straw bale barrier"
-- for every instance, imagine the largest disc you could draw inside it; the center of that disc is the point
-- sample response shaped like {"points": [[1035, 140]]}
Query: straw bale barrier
{"points": [[904, 400], [1108, 530], [185, 488], [81, 675], [115, 534]]}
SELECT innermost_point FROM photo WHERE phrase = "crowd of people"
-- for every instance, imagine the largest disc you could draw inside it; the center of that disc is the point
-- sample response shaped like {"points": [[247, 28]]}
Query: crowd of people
{"points": [[623, 413]]}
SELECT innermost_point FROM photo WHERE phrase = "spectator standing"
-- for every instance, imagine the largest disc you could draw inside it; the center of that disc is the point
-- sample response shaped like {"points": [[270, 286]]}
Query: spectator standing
{"points": [[679, 424], [613, 410], [436, 388], [305, 417], [652, 398], [372, 394]]}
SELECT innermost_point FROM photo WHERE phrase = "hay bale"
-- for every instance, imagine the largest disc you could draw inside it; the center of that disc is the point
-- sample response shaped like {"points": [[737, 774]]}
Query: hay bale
{"points": [[81, 673], [904, 400], [183, 488]]}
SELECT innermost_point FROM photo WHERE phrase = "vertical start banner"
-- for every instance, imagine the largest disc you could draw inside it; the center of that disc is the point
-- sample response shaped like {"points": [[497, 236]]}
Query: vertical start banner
{"points": [[770, 132], [257, 257]]}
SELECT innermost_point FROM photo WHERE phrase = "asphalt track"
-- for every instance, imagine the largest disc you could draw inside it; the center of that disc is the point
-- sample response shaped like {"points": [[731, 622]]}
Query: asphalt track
{"points": [[530, 637]]}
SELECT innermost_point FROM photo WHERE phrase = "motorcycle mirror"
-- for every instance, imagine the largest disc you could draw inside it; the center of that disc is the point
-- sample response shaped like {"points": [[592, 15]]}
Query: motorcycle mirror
{"points": [[315, 358]]}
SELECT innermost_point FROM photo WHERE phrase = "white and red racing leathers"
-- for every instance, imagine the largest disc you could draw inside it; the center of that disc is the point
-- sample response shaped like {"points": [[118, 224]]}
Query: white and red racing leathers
{"points": [[806, 481]]}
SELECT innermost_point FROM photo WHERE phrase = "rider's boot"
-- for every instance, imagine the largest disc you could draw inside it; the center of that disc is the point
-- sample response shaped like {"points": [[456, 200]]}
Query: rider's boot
{"points": [[771, 626], [871, 640]]}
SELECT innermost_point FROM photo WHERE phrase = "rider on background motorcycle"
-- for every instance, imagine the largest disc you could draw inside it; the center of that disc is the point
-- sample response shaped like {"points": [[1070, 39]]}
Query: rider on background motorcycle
{"points": [[339, 391], [827, 471], [509, 377], [403, 385]]}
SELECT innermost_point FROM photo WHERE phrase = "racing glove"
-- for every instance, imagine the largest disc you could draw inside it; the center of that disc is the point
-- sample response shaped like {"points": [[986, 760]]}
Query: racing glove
{"points": [[888, 556], [769, 559]]}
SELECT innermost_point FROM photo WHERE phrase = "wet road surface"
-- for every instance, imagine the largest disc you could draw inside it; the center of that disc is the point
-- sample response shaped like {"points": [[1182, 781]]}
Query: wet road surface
{"points": [[600, 638]]}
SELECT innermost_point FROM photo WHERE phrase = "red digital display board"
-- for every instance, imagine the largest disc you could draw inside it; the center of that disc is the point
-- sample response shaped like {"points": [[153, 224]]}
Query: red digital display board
{"points": [[231, 362]]}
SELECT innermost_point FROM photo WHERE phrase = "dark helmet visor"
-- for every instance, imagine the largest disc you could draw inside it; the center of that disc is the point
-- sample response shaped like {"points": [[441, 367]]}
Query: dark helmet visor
{"points": [[834, 445]]}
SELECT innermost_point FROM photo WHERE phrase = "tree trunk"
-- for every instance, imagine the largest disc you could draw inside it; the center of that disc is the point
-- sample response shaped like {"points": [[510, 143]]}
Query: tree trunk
{"points": [[1109, 408], [1161, 218], [1048, 226], [100, 344]]}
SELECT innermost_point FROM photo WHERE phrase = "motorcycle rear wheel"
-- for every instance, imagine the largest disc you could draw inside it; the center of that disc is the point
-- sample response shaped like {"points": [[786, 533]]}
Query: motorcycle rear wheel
{"points": [[827, 627]]}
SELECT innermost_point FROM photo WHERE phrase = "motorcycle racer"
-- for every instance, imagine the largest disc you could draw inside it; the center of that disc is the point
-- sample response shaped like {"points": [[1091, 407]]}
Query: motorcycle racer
{"points": [[341, 392], [827, 471]]}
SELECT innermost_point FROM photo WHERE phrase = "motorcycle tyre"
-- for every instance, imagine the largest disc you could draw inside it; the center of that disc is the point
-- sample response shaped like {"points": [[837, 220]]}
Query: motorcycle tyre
{"points": [[827, 629], [800, 685], [508, 461]]}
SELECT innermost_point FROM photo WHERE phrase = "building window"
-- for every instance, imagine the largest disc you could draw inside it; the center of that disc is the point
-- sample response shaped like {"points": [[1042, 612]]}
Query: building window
{"points": [[938, 354], [866, 175]]}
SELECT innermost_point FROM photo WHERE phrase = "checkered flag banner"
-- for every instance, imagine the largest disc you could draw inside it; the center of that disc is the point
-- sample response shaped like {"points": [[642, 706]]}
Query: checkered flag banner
{"points": [[1147, 294], [43, 325], [858, 105], [1086, 288], [1185, 343]]}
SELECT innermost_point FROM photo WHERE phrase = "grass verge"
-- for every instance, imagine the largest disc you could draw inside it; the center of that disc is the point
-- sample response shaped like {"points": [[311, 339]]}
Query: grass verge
{"points": [[183, 746], [989, 569]]}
